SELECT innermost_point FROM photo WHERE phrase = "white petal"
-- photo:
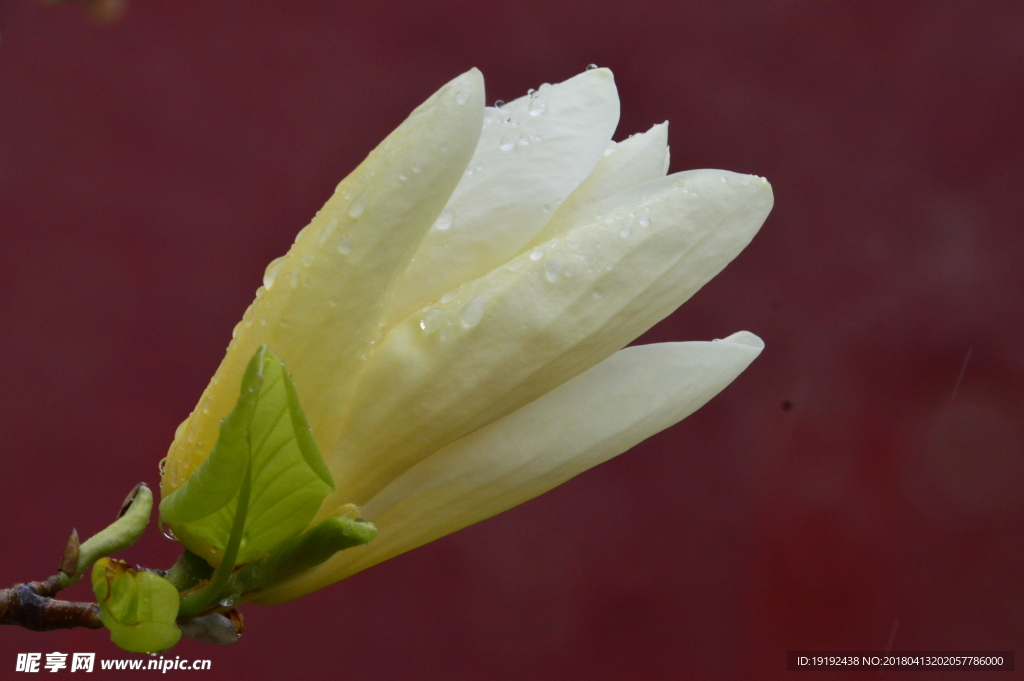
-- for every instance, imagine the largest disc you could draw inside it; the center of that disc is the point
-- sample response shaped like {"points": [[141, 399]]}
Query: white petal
{"points": [[603, 412], [639, 159], [533, 152], [534, 323], [323, 300]]}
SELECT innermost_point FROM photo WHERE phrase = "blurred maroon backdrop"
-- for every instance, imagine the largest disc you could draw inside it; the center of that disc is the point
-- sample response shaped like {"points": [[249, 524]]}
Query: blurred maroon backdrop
{"points": [[837, 496]]}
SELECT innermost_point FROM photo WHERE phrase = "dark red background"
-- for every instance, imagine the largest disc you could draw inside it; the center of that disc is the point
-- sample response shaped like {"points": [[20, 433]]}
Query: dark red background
{"points": [[150, 169]]}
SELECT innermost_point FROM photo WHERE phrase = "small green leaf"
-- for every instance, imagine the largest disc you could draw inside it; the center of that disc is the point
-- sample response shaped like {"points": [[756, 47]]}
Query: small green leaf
{"points": [[139, 608], [289, 477], [309, 549]]}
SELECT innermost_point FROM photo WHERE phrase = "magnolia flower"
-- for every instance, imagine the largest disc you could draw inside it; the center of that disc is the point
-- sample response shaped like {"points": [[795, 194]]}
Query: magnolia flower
{"points": [[453, 318]]}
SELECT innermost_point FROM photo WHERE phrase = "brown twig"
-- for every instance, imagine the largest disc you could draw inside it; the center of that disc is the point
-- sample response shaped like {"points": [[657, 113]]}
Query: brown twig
{"points": [[33, 607]]}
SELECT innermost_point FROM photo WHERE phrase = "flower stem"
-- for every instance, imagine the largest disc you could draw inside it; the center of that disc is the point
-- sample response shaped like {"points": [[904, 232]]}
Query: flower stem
{"points": [[195, 603]]}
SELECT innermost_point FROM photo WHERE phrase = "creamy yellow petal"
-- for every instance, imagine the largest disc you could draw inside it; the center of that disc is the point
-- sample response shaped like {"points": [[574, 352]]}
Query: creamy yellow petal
{"points": [[323, 301], [528, 326], [639, 159], [601, 413], [533, 152]]}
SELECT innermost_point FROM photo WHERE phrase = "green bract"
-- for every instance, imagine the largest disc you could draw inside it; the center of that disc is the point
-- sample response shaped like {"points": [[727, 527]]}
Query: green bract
{"points": [[139, 608], [289, 479]]}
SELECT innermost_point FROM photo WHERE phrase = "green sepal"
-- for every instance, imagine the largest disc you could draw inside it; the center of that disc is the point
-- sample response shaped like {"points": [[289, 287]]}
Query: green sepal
{"points": [[139, 608], [289, 477], [309, 549]]}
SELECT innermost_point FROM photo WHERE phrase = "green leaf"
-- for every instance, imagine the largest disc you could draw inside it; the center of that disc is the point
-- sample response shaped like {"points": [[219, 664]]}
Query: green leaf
{"points": [[309, 549], [139, 608], [289, 477]]}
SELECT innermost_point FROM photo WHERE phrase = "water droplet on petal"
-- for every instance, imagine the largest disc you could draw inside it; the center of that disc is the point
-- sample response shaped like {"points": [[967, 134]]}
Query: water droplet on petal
{"points": [[263, 321], [645, 219], [345, 245], [333, 301], [403, 177], [537, 107], [417, 166], [431, 321], [357, 207], [325, 233], [724, 178], [473, 312], [626, 229], [306, 261], [445, 219], [163, 466], [448, 297], [462, 97], [591, 67], [553, 269], [537, 253], [227, 602], [507, 143], [293, 279], [270, 274], [499, 103]]}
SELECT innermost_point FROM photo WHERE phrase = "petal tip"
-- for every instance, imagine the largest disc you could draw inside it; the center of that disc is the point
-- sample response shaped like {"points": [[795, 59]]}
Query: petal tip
{"points": [[744, 338]]}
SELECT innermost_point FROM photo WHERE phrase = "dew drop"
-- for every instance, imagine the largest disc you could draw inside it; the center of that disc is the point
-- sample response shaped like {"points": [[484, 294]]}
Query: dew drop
{"points": [[417, 166], [462, 97], [553, 269], [523, 142], [357, 207], [166, 531], [448, 297], [263, 321], [537, 253], [473, 312], [345, 245], [546, 208], [325, 233], [499, 103], [260, 291], [333, 301], [403, 177], [645, 219], [163, 466], [591, 67], [543, 87], [431, 321], [507, 143], [293, 279], [227, 602], [537, 106], [273, 269], [626, 229], [445, 219], [724, 178], [598, 293], [306, 261], [234, 331]]}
